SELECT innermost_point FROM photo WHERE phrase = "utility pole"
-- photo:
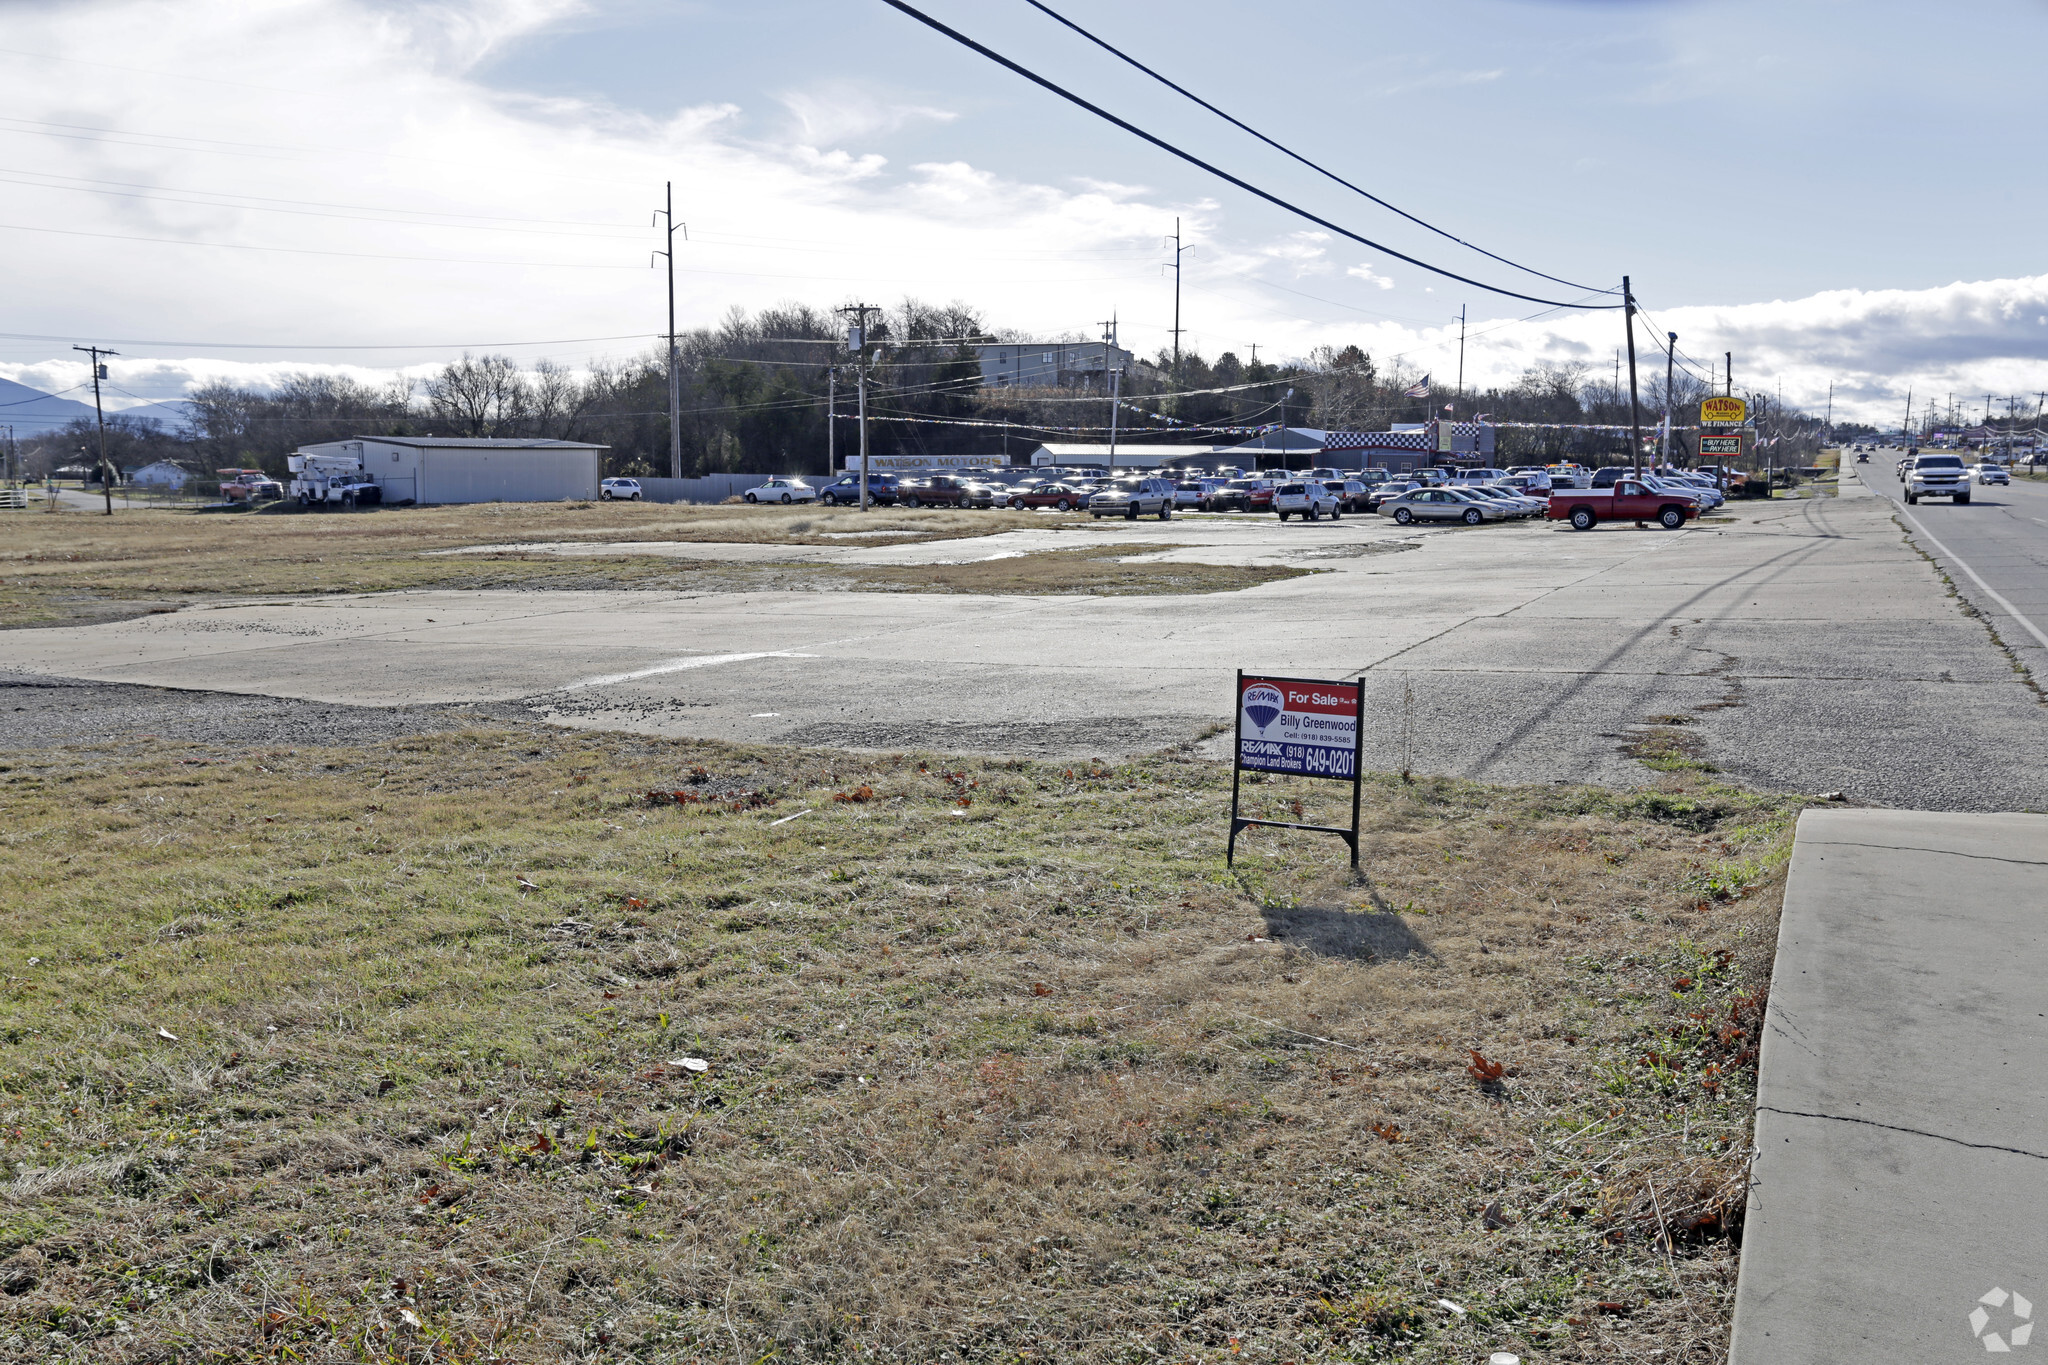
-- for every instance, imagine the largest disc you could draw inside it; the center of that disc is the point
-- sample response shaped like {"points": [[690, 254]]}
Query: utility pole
{"points": [[1728, 390], [99, 372], [857, 342], [1635, 416], [675, 373], [1459, 400], [1829, 424], [1906, 425], [1670, 360], [1109, 382], [831, 421], [1177, 250]]}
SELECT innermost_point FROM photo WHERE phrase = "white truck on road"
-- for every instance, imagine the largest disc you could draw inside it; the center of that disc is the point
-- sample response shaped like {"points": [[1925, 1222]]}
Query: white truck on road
{"points": [[1937, 476]]}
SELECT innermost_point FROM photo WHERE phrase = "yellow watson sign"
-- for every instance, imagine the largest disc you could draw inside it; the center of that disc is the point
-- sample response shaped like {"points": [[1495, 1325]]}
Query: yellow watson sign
{"points": [[1724, 411]]}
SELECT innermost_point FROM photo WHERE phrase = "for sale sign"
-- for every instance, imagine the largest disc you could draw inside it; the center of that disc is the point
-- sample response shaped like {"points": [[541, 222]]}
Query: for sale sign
{"points": [[1309, 729], [1302, 727]]}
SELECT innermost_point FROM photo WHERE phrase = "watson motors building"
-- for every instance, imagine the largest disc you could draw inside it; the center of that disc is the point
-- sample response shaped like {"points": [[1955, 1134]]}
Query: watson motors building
{"points": [[445, 469]]}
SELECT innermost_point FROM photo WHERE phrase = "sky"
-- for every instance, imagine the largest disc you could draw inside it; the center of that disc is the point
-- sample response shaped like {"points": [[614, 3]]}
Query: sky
{"points": [[1842, 195]]}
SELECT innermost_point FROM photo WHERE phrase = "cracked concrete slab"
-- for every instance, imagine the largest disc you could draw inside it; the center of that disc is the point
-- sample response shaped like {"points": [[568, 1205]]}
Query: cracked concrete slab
{"points": [[1519, 652], [1901, 1177]]}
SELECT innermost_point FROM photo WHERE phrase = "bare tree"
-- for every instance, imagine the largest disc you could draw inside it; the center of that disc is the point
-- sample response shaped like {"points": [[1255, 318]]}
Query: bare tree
{"points": [[484, 395]]}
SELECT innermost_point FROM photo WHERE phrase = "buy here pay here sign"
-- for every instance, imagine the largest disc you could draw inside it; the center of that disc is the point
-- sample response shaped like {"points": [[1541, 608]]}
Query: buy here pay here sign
{"points": [[1286, 725]]}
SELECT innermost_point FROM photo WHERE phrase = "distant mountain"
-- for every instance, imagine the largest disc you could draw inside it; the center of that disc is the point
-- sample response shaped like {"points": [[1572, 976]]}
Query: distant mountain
{"points": [[30, 410], [171, 413]]}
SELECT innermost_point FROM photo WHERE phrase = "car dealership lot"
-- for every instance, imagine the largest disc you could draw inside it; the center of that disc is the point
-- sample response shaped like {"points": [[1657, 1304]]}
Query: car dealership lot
{"points": [[1802, 644]]}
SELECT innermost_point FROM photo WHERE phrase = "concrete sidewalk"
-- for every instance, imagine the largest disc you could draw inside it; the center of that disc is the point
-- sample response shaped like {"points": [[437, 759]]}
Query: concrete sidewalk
{"points": [[1901, 1182]]}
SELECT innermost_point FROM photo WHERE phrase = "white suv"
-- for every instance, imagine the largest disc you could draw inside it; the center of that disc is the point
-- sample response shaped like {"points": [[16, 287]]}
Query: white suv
{"points": [[1309, 497], [629, 489]]}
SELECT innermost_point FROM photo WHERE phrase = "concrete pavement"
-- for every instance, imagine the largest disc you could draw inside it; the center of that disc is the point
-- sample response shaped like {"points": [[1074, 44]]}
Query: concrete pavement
{"points": [[1901, 1180], [1995, 548], [1805, 646]]}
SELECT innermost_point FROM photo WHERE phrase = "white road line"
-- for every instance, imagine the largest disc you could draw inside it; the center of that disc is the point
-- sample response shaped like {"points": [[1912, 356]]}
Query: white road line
{"points": [[694, 661], [2008, 608]]}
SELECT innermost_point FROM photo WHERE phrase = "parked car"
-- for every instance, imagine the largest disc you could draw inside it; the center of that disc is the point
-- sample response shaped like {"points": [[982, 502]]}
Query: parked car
{"points": [[783, 491], [1513, 503], [1241, 495], [937, 490], [1350, 493], [1383, 493], [1442, 504], [1703, 489], [982, 493], [1146, 497], [1061, 497], [619, 490], [1481, 475], [1627, 500], [1308, 499], [1569, 475], [1537, 477], [1190, 494], [1988, 473], [881, 491]]}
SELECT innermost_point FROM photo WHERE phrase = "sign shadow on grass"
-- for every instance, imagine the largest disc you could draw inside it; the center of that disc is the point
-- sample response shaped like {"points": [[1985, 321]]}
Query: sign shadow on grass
{"points": [[1333, 931]]}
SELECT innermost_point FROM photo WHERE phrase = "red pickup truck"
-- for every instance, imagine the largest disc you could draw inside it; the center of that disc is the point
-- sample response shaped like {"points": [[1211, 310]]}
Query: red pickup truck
{"points": [[1628, 500]]}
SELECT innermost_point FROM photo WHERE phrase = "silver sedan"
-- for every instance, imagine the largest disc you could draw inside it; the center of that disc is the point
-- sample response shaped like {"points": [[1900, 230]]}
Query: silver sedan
{"points": [[1443, 504]]}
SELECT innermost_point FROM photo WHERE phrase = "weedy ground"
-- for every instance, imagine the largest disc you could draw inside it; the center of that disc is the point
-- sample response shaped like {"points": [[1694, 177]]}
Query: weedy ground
{"points": [[390, 1053], [74, 566]]}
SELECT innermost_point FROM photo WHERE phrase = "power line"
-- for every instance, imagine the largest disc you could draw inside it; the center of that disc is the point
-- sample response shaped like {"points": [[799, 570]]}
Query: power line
{"points": [[309, 251], [1216, 171], [322, 346], [1286, 151]]}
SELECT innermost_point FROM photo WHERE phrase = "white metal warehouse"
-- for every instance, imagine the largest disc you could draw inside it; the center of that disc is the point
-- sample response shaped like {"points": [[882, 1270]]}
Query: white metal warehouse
{"points": [[443, 469]]}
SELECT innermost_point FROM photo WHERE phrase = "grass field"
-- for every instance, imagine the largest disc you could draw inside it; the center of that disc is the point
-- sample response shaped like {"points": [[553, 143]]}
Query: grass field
{"points": [[72, 566], [393, 1054]]}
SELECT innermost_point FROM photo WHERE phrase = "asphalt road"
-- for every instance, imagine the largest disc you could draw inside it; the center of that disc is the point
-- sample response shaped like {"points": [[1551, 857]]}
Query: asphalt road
{"points": [[1995, 548], [1521, 652]]}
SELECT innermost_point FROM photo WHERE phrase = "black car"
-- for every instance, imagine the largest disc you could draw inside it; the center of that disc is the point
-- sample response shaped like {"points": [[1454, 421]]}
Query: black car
{"points": [[1605, 476], [881, 491]]}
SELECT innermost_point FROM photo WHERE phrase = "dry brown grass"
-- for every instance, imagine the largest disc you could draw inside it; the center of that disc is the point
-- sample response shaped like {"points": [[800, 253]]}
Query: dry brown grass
{"points": [[1004, 1064], [58, 567]]}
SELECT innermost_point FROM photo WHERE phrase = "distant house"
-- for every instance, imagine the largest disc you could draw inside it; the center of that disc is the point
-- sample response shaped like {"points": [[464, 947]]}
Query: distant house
{"points": [[162, 474], [1049, 364]]}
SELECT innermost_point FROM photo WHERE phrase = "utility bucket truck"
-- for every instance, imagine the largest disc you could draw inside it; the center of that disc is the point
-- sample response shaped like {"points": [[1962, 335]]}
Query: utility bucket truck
{"points": [[332, 480]]}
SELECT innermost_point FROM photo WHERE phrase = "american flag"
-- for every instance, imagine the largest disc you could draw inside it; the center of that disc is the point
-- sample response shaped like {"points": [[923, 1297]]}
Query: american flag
{"points": [[1417, 390]]}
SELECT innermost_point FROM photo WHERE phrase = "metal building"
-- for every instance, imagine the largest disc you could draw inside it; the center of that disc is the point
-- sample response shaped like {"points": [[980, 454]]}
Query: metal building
{"points": [[444, 469]]}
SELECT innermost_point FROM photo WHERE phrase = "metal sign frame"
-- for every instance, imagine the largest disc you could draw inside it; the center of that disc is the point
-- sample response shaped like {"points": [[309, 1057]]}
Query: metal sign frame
{"points": [[1238, 767]]}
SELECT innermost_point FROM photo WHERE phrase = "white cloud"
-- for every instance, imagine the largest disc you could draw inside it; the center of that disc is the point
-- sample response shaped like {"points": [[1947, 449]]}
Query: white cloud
{"points": [[412, 202]]}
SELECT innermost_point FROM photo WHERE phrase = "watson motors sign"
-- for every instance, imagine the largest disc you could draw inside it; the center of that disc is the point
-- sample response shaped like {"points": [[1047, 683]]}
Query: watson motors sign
{"points": [[1301, 727]]}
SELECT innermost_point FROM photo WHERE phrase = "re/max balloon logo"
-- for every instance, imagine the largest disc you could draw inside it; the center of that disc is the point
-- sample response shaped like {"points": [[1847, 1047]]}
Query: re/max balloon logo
{"points": [[1262, 704]]}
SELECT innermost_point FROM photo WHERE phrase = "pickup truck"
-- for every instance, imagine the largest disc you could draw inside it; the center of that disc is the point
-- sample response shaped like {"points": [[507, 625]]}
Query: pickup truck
{"points": [[1628, 500], [1938, 476], [941, 490], [248, 485]]}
